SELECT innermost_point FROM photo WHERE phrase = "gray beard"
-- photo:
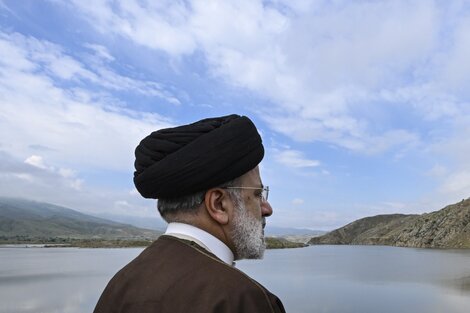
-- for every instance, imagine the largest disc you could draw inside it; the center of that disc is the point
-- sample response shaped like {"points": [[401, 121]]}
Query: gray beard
{"points": [[248, 234]]}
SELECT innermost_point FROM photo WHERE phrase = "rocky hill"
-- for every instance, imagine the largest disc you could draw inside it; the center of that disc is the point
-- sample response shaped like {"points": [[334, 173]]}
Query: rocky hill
{"points": [[30, 221], [446, 228]]}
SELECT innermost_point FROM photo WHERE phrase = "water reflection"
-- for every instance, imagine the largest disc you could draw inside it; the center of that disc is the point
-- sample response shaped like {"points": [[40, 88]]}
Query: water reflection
{"points": [[62, 280], [314, 279], [367, 279], [462, 284]]}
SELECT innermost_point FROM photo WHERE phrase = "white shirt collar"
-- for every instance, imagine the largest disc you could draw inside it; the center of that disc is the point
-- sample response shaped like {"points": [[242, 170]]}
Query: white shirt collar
{"points": [[203, 238]]}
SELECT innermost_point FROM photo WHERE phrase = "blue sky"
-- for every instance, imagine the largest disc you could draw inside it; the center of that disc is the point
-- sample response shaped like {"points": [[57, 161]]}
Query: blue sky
{"points": [[363, 106]]}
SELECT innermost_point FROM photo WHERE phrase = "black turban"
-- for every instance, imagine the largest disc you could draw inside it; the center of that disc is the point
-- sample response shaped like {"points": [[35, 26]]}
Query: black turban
{"points": [[179, 161]]}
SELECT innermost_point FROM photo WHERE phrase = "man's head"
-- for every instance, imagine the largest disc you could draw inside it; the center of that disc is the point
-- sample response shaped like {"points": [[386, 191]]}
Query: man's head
{"points": [[251, 210], [206, 174]]}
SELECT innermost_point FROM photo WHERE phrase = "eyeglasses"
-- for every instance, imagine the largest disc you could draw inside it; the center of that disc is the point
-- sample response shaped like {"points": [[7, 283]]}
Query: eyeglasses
{"points": [[264, 191]]}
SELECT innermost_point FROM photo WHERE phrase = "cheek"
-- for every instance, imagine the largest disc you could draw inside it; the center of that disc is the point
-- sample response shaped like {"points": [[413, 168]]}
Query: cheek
{"points": [[255, 206]]}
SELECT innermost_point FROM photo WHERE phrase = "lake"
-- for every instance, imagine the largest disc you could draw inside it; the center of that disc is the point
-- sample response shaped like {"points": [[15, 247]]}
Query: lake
{"points": [[340, 279]]}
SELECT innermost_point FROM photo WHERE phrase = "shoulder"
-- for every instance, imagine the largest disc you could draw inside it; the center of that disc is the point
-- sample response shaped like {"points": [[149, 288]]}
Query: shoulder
{"points": [[232, 288], [177, 269], [220, 285], [243, 294]]}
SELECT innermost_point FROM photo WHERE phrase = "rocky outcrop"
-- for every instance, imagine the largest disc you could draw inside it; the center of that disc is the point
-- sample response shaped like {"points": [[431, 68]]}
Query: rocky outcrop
{"points": [[446, 228]]}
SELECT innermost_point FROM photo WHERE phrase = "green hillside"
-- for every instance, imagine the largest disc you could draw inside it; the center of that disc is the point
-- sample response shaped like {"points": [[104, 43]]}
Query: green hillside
{"points": [[30, 221]]}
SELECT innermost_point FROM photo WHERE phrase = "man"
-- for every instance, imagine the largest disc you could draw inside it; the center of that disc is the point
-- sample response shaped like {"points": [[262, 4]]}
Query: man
{"points": [[206, 178]]}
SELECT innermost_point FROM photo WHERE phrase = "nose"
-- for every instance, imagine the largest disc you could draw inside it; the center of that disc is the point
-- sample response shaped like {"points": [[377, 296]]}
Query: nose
{"points": [[266, 209]]}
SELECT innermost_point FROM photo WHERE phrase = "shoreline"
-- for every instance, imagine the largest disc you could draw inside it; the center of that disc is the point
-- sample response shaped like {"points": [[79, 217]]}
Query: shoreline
{"points": [[271, 243]]}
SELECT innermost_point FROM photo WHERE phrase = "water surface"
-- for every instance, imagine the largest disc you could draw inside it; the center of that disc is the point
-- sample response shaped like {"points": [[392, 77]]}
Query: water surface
{"points": [[314, 279]]}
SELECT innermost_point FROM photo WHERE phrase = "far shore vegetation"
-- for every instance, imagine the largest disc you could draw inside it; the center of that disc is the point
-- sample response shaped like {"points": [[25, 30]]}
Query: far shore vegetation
{"points": [[54, 242]]}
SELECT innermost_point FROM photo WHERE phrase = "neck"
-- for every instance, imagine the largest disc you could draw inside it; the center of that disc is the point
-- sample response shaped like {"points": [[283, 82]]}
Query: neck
{"points": [[203, 238], [203, 221]]}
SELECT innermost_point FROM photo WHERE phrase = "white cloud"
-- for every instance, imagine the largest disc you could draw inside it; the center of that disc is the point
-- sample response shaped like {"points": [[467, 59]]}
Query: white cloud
{"points": [[68, 175], [295, 159], [22, 176], [29, 54], [455, 72], [35, 160], [318, 63], [101, 51], [158, 25], [454, 176], [298, 201], [438, 171], [457, 185], [66, 172], [35, 175], [75, 125], [356, 139], [428, 99], [65, 187], [121, 203], [302, 217], [54, 127], [64, 175]]}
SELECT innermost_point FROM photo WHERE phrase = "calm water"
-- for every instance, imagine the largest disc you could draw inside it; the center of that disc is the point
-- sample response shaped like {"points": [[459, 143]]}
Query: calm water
{"points": [[314, 279]]}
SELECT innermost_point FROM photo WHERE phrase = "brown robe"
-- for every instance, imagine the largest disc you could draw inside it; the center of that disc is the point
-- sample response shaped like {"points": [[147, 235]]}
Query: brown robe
{"points": [[178, 276]]}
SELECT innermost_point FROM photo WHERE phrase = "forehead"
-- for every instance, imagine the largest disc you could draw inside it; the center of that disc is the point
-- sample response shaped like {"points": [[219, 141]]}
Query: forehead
{"points": [[251, 178]]}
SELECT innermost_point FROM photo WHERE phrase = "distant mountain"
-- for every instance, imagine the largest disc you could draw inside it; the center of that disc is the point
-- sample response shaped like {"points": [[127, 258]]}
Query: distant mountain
{"points": [[152, 222], [290, 231], [446, 228], [295, 235], [24, 220], [282, 243]]}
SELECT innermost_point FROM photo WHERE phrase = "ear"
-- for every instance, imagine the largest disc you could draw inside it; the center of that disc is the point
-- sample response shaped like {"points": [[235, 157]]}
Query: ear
{"points": [[218, 205]]}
